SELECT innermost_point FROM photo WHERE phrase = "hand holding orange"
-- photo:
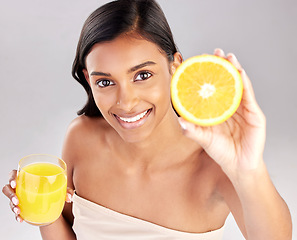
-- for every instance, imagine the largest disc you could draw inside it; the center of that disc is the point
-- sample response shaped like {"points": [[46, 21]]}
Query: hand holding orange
{"points": [[238, 144], [206, 90]]}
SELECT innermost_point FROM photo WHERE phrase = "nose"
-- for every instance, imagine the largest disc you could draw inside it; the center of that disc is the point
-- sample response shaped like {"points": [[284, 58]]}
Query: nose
{"points": [[127, 97]]}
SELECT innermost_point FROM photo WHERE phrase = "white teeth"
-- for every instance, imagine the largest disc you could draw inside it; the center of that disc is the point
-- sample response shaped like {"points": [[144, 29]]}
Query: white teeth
{"points": [[134, 119]]}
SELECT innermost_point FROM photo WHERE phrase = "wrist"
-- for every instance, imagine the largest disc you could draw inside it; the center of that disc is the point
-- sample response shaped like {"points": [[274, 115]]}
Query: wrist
{"points": [[247, 176]]}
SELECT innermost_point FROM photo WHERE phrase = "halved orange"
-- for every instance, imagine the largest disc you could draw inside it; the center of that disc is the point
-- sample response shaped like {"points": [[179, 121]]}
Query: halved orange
{"points": [[206, 90]]}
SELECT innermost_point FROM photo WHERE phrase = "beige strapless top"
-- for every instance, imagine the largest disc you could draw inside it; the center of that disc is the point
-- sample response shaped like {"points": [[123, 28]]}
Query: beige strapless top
{"points": [[92, 221]]}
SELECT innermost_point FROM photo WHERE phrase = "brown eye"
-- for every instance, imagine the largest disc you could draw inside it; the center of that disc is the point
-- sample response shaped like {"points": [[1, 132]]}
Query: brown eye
{"points": [[143, 76], [104, 83]]}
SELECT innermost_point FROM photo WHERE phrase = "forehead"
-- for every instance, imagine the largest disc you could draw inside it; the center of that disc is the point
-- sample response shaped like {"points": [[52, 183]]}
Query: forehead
{"points": [[123, 51]]}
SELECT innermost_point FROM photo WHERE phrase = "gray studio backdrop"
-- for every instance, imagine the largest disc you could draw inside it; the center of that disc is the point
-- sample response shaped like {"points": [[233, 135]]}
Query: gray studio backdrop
{"points": [[39, 98]]}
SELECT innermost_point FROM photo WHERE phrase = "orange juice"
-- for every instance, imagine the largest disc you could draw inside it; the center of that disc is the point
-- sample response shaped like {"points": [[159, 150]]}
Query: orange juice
{"points": [[41, 190]]}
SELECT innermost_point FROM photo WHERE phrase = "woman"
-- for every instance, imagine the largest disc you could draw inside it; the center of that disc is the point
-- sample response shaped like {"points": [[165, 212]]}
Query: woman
{"points": [[137, 174]]}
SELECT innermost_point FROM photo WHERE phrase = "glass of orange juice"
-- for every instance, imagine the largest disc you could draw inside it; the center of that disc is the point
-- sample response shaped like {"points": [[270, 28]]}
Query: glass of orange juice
{"points": [[41, 188]]}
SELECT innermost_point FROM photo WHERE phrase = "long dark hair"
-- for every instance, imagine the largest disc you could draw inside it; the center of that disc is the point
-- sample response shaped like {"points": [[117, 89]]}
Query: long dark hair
{"points": [[143, 17]]}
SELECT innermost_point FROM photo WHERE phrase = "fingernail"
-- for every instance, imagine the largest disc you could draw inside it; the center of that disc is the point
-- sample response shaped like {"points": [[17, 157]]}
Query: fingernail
{"points": [[18, 219], [15, 201], [69, 197], [220, 51], [16, 210], [183, 125], [13, 184]]}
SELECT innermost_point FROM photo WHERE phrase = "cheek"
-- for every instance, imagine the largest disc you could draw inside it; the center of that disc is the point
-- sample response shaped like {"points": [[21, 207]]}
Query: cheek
{"points": [[161, 91], [103, 101]]}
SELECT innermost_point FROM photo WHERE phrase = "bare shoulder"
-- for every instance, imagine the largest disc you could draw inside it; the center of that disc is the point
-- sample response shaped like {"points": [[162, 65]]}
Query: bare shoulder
{"points": [[81, 135], [84, 129], [78, 136], [84, 125]]}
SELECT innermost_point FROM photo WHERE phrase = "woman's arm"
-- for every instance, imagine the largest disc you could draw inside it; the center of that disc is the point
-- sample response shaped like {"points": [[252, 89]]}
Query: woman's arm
{"points": [[264, 213], [257, 207], [237, 145]]}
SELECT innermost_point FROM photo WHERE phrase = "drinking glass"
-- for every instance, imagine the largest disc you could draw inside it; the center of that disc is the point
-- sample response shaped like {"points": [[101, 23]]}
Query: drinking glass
{"points": [[41, 188]]}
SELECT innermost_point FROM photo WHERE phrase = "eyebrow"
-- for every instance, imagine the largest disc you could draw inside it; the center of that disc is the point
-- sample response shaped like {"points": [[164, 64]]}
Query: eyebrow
{"points": [[94, 73], [133, 69]]}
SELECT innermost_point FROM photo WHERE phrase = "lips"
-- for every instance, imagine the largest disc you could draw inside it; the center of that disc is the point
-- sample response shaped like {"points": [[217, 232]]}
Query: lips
{"points": [[133, 121]]}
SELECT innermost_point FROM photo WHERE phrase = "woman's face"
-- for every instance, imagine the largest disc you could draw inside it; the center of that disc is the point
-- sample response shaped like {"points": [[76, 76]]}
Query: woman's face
{"points": [[130, 81]]}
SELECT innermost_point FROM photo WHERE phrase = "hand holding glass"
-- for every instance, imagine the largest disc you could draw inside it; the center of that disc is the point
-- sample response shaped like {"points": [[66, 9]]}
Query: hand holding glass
{"points": [[41, 188]]}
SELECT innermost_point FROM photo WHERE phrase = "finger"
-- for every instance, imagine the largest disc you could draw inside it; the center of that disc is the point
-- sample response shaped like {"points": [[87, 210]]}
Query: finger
{"points": [[69, 195], [248, 91], [247, 85], [19, 218], [10, 193], [12, 178], [13, 205], [233, 59], [219, 52], [195, 132], [249, 103], [15, 208]]}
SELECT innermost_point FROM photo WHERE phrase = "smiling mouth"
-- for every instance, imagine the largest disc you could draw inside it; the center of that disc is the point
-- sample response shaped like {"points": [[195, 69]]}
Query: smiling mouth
{"points": [[134, 118], [135, 121]]}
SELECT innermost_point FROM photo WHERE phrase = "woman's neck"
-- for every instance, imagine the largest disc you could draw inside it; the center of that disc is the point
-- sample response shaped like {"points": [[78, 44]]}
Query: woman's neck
{"points": [[165, 142]]}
